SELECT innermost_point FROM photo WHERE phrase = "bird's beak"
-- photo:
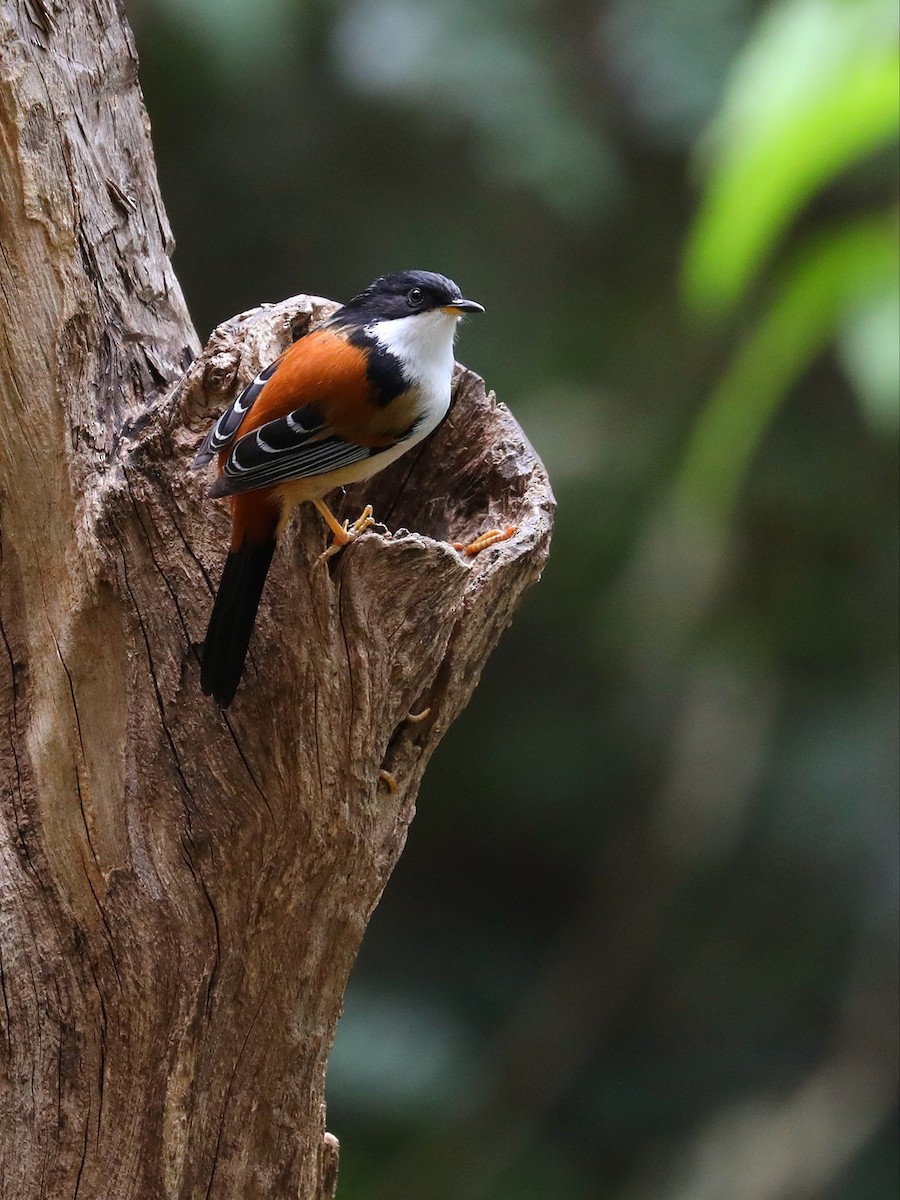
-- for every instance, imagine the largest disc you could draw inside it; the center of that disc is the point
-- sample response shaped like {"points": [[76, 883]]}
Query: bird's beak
{"points": [[460, 307]]}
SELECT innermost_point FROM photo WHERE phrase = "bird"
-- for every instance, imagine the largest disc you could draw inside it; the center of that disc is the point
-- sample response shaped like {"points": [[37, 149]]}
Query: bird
{"points": [[344, 401]]}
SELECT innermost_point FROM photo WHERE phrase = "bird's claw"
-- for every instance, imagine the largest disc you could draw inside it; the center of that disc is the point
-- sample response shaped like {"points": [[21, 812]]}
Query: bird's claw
{"points": [[363, 522], [349, 533]]}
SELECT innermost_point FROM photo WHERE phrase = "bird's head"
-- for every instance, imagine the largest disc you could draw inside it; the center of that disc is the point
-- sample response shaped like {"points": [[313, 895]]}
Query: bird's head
{"points": [[407, 294]]}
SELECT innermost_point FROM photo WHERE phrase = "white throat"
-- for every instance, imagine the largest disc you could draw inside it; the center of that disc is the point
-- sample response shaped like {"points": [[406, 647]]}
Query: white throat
{"points": [[423, 344]]}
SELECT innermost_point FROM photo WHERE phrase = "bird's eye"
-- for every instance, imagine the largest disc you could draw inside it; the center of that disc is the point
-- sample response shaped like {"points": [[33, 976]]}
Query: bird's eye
{"points": [[414, 297]]}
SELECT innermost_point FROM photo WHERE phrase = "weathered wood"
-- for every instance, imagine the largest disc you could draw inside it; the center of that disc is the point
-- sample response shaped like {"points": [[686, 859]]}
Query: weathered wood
{"points": [[182, 891]]}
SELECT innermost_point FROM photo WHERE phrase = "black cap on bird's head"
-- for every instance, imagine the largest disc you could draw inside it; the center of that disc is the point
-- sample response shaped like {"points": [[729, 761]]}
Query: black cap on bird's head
{"points": [[405, 294]]}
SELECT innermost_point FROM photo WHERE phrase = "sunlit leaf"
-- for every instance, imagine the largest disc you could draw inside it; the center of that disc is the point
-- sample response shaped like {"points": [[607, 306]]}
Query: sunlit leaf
{"points": [[818, 91], [869, 345], [836, 276]]}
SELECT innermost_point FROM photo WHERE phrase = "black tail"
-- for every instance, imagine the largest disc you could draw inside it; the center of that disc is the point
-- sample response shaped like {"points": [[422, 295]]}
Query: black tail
{"points": [[233, 617]]}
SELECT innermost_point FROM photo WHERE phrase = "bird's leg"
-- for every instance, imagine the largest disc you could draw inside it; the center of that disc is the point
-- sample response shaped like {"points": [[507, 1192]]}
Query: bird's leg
{"points": [[486, 539], [343, 534]]}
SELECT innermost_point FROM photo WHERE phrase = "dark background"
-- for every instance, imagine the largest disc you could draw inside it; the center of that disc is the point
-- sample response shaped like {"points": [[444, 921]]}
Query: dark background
{"points": [[643, 941]]}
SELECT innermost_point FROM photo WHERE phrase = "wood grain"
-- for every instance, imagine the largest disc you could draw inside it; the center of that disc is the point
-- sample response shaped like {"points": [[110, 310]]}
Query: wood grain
{"points": [[183, 892]]}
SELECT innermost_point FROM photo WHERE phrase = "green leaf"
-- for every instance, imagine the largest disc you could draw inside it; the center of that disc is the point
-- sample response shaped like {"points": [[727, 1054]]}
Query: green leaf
{"points": [[836, 276], [869, 345], [817, 92]]}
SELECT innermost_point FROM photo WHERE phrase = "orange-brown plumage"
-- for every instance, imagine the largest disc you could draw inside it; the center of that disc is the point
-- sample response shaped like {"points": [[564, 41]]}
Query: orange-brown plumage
{"points": [[255, 516], [324, 368]]}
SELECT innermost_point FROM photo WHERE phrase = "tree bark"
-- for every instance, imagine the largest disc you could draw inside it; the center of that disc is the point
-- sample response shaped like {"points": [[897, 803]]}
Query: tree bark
{"points": [[183, 891]]}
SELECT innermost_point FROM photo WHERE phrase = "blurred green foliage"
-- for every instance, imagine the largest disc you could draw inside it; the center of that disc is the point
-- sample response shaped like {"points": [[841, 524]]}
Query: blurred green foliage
{"points": [[815, 92], [642, 942], [826, 284]]}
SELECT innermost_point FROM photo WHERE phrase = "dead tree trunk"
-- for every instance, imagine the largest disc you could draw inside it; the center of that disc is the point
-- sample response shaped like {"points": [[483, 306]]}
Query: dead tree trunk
{"points": [[182, 891]]}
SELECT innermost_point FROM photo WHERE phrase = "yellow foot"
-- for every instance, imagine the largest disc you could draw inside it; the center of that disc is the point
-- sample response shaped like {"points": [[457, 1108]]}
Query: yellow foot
{"points": [[345, 534], [390, 780], [487, 539]]}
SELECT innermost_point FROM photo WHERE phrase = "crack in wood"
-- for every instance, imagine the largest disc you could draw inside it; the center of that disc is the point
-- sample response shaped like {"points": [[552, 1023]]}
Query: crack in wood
{"points": [[213, 975], [84, 1151], [105, 920], [315, 726], [8, 1029], [227, 1101], [351, 691], [162, 574], [237, 745], [158, 695]]}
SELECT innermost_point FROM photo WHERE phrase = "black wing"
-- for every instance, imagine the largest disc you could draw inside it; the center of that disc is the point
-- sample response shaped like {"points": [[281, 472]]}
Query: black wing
{"points": [[222, 433], [291, 447]]}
